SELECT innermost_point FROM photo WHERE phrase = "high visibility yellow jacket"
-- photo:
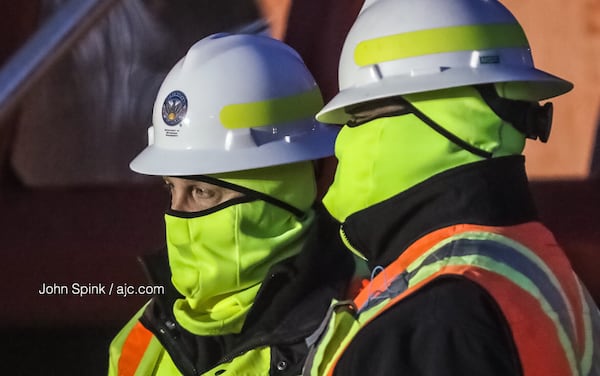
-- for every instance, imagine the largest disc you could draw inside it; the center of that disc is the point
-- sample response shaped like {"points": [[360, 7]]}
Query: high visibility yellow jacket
{"points": [[139, 352], [289, 306]]}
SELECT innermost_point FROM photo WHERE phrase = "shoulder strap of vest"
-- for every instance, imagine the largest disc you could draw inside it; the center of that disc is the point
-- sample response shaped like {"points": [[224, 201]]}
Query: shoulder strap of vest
{"points": [[519, 262]]}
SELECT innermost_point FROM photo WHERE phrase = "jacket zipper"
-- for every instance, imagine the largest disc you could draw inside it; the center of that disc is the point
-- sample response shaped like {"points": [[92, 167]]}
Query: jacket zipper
{"points": [[348, 243], [163, 330]]}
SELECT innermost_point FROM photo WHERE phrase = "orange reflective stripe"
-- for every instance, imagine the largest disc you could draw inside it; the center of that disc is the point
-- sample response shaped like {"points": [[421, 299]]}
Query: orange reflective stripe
{"points": [[528, 338], [539, 240], [536, 237], [133, 349], [551, 361], [530, 236], [415, 250], [403, 295], [388, 305]]}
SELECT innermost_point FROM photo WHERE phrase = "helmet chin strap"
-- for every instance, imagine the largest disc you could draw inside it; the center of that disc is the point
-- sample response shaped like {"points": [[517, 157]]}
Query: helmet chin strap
{"points": [[396, 106], [446, 133]]}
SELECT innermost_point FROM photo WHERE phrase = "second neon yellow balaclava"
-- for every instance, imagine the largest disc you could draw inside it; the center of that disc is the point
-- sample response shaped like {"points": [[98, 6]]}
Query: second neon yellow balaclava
{"points": [[218, 260], [388, 155]]}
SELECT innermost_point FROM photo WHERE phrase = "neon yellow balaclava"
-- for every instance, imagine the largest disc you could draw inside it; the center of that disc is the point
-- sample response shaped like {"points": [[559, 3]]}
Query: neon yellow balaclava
{"points": [[219, 259], [388, 155]]}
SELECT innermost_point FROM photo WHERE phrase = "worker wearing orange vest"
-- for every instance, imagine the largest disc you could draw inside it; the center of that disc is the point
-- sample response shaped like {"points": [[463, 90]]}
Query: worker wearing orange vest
{"points": [[437, 98], [234, 137]]}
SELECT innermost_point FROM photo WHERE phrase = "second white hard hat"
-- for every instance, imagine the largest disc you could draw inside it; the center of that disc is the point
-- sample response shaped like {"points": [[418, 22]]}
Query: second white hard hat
{"points": [[398, 47], [235, 102]]}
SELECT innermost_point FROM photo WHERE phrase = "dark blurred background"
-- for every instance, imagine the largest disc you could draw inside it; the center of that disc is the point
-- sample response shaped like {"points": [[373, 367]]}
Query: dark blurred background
{"points": [[74, 213]]}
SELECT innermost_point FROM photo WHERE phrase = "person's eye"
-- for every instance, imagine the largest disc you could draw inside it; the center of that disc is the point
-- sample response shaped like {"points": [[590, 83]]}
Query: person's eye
{"points": [[203, 192]]}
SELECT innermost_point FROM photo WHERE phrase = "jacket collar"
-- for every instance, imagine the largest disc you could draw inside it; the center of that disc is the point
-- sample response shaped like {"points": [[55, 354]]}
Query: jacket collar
{"points": [[492, 192]]}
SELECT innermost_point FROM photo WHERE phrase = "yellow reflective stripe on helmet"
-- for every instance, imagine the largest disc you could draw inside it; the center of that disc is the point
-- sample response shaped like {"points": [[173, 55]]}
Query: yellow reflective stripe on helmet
{"points": [[445, 39], [272, 111]]}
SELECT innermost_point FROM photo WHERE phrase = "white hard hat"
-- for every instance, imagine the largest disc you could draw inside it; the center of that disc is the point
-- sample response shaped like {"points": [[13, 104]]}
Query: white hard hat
{"points": [[398, 47], [235, 102]]}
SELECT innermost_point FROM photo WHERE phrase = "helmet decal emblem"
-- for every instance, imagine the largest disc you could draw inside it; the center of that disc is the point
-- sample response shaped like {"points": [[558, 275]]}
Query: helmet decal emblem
{"points": [[174, 108]]}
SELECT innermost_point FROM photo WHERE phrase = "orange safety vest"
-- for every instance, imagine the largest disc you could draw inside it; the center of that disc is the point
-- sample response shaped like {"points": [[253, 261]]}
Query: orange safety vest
{"points": [[554, 322]]}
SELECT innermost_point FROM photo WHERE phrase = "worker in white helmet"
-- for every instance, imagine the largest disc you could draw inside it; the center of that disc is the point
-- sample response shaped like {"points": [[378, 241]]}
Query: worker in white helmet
{"points": [[437, 98], [234, 138]]}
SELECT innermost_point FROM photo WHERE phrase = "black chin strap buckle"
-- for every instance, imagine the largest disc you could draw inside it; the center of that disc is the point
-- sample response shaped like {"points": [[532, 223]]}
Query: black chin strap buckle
{"points": [[529, 118], [539, 122]]}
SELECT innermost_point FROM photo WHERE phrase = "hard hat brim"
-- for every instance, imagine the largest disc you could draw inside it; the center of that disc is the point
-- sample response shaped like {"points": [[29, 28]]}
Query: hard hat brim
{"points": [[524, 84], [154, 160]]}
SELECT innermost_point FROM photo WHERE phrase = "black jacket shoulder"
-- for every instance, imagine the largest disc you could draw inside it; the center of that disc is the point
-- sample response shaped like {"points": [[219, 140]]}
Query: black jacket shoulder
{"points": [[452, 326]]}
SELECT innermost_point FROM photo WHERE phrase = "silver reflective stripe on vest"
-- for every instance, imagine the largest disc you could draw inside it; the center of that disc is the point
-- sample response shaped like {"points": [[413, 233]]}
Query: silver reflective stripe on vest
{"points": [[313, 340]]}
